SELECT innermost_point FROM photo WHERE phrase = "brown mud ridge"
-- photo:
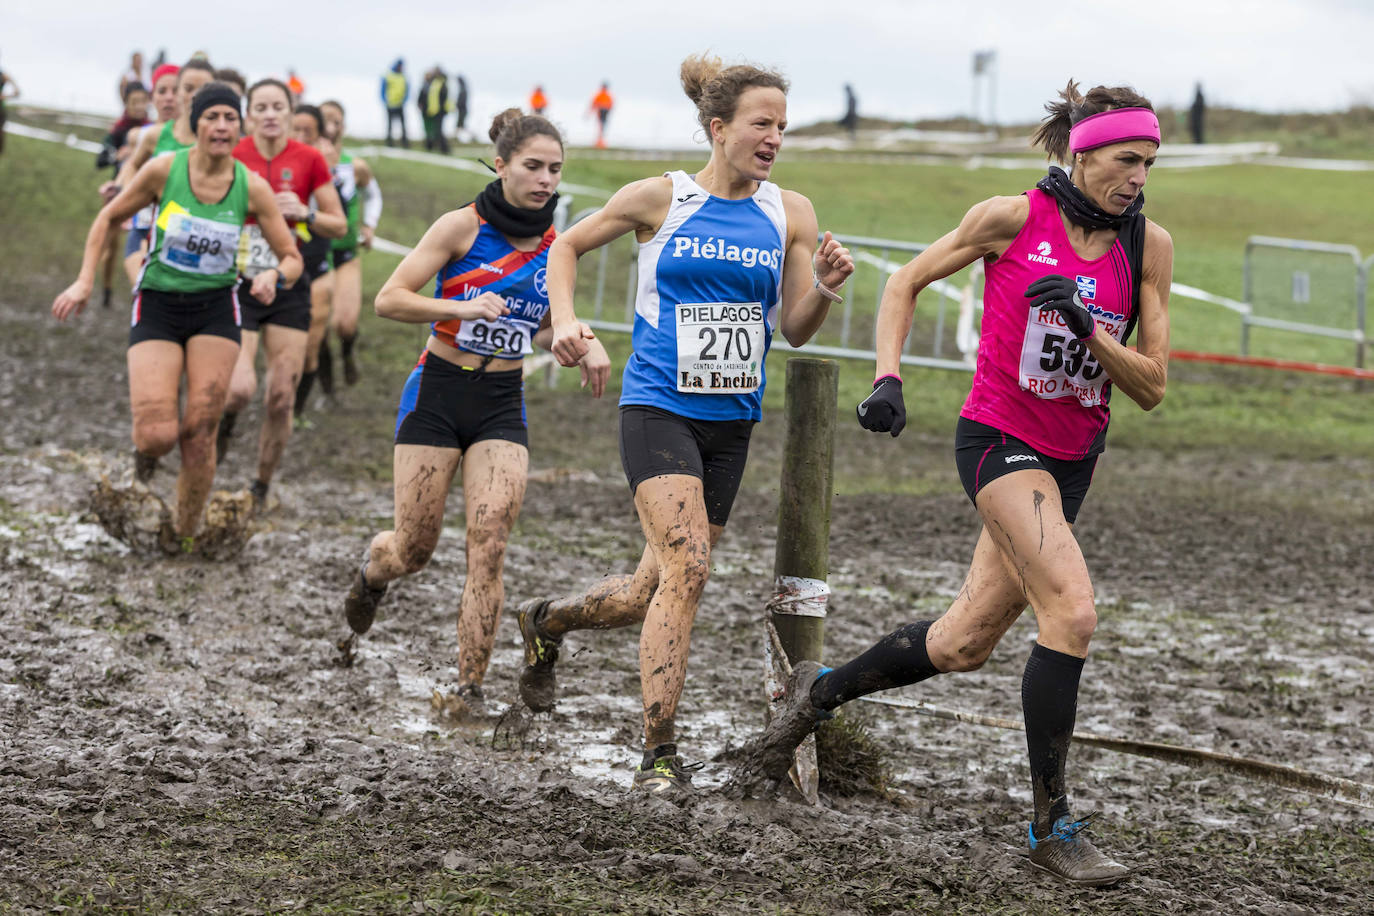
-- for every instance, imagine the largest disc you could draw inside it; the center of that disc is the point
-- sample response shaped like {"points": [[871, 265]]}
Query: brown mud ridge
{"points": [[178, 733]]}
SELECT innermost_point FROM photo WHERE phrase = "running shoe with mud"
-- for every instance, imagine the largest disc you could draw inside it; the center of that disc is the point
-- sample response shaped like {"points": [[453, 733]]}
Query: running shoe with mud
{"points": [[466, 704], [667, 776], [769, 756], [1068, 853], [360, 607], [537, 681]]}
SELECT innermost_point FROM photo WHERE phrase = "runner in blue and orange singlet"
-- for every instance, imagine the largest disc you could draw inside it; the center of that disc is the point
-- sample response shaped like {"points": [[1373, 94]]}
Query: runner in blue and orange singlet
{"points": [[463, 404]]}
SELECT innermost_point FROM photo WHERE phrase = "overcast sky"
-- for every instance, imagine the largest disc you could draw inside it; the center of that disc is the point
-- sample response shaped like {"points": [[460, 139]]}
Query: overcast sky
{"points": [[905, 59]]}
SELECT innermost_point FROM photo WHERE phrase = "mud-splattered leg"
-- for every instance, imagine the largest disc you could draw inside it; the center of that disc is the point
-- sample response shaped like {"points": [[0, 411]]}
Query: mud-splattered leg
{"points": [[243, 384], [209, 365], [285, 356], [1024, 517], [154, 376], [494, 474], [615, 601], [672, 512], [423, 474]]}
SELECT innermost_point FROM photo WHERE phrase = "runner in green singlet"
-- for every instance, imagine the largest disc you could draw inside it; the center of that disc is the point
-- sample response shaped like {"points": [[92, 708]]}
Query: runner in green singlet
{"points": [[172, 136], [186, 313]]}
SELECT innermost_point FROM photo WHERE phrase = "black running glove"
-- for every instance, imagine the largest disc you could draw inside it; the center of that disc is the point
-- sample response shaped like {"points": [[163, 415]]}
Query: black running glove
{"points": [[884, 409], [1061, 294]]}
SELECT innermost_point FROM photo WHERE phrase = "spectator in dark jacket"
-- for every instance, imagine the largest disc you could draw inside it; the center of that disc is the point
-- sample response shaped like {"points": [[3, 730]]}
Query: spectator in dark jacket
{"points": [[433, 102]]}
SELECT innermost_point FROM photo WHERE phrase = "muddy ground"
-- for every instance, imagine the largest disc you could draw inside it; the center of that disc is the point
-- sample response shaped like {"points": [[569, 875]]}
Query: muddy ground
{"points": [[177, 734]]}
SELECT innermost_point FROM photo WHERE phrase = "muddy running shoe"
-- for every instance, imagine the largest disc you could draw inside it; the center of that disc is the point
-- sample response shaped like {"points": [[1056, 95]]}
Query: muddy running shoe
{"points": [[144, 466], [537, 683], [225, 434], [466, 704], [360, 607], [794, 717], [667, 775], [1068, 853], [259, 493]]}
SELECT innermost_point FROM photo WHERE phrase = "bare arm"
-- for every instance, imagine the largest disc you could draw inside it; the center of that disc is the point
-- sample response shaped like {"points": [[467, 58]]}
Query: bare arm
{"points": [[1142, 373], [450, 237], [639, 206], [142, 153], [804, 307], [987, 229], [330, 219], [142, 191]]}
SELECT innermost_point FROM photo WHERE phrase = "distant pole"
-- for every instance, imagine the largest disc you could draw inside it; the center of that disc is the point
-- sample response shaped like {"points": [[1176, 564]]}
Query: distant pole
{"points": [[802, 559]]}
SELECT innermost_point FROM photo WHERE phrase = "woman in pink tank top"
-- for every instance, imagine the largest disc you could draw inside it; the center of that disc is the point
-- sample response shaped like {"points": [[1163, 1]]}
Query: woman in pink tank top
{"points": [[1072, 269]]}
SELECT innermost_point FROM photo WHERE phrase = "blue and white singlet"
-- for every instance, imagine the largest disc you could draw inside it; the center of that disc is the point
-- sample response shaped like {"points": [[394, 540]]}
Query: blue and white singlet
{"points": [[710, 284], [493, 265]]}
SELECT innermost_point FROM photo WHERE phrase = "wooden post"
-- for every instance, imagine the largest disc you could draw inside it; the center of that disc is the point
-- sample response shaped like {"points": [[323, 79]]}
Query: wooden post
{"points": [[802, 560], [808, 470]]}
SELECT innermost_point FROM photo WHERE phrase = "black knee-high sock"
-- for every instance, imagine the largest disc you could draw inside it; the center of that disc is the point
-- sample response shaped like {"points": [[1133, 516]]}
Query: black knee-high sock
{"points": [[898, 659], [346, 344], [303, 391], [326, 367], [1049, 700]]}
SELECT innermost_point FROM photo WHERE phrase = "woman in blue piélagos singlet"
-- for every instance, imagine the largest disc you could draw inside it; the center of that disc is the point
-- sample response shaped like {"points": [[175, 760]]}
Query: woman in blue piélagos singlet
{"points": [[726, 258], [464, 401]]}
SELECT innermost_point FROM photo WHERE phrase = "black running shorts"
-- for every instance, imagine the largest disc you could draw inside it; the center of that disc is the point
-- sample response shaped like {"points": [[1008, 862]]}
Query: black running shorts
{"points": [[655, 442], [984, 453], [446, 405], [159, 315], [291, 308]]}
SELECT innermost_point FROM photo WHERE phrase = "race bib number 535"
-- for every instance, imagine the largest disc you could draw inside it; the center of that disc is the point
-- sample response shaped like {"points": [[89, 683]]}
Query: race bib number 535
{"points": [[719, 347], [1056, 364]]}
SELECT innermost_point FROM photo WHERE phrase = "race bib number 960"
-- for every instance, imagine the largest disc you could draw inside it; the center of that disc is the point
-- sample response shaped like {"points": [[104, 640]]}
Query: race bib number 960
{"points": [[1056, 364], [505, 339], [719, 347]]}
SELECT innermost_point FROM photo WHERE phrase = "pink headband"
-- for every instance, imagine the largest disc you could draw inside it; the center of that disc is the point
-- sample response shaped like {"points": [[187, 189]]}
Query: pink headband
{"points": [[1116, 125]]}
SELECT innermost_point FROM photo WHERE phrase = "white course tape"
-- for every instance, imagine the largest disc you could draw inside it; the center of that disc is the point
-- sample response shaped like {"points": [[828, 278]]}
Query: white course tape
{"points": [[799, 597]]}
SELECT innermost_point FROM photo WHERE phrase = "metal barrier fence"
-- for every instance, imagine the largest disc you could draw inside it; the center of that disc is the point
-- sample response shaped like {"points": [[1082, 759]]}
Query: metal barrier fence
{"points": [[1304, 287], [1334, 299]]}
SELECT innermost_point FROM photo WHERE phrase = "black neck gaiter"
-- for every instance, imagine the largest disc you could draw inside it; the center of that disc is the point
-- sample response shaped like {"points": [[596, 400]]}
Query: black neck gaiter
{"points": [[1078, 208], [508, 219]]}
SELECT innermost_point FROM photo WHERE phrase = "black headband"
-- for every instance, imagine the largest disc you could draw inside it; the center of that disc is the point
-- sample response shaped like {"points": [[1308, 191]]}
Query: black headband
{"points": [[210, 96]]}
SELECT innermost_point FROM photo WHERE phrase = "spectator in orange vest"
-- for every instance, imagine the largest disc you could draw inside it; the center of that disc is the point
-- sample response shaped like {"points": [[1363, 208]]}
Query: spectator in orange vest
{"points": [[293, 82], [601, 105], [538, 101]]}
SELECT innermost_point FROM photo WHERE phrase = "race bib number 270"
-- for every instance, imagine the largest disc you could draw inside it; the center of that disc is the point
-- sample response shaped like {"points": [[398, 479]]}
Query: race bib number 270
{"points": [[719, 347]]}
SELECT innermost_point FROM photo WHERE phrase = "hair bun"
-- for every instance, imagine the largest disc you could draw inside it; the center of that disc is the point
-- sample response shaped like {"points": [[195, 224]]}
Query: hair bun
{"points": [[502, 121]]}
